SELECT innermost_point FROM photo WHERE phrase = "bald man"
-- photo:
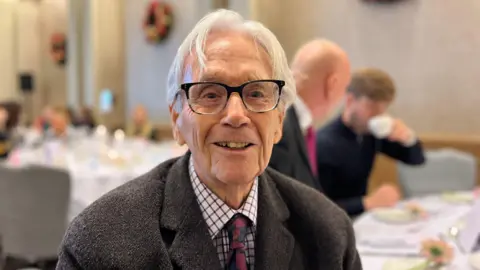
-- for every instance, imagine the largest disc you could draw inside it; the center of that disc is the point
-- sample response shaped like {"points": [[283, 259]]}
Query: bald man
{"points": [[322, 72]]}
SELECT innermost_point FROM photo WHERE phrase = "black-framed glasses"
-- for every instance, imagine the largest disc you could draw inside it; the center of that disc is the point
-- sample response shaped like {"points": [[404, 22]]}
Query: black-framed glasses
{"points": [[211, 97]]}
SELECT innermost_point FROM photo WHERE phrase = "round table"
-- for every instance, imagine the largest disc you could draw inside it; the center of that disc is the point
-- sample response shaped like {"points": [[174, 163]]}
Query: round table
{"points": [[379, 242]]}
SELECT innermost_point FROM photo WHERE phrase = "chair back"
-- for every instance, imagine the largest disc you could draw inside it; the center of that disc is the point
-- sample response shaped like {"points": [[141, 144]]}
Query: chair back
{"points": [[445, 170], [33, 211]]}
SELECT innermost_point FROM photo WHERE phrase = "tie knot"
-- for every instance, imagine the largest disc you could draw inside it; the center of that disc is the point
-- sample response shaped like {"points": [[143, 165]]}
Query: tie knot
{"points": [[310, 129], [237, 228]]}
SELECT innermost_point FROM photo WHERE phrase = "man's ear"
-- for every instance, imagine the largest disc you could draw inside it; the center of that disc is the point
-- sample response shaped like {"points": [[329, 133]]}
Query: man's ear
{"points": [[330, 85], [279, 129], [174, 120]]}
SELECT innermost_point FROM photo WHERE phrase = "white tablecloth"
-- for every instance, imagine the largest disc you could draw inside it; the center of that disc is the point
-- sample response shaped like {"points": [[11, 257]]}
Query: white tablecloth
{"points": [[94, 167], [368, 230]]}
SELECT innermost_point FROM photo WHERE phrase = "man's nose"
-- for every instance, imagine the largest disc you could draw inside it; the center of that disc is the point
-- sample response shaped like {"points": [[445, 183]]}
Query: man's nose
{"points": [[236, 114]]}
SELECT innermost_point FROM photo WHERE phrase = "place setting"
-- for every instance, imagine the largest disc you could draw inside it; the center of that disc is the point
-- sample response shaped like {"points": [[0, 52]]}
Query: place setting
{"points": [[404, 214], [446, 205], [436, 254], [393, 231], [458, 248]]}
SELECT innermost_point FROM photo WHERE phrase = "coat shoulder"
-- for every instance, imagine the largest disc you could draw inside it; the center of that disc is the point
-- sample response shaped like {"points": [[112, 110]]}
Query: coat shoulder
{"points": [[321, 229], [312, 207], [121, 220]]}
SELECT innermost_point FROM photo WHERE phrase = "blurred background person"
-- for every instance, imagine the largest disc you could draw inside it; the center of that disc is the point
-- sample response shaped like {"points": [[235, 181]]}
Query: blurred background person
{"points": [[42, 122], [14, 114], [4, 136], [10, 113], [346, 147], [72, 115], [85, 118], [140, 126], [322, 71], [60, 123]]}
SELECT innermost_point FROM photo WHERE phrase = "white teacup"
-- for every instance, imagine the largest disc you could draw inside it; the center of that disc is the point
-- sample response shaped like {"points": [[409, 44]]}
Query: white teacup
{"points": [[381, 126]]}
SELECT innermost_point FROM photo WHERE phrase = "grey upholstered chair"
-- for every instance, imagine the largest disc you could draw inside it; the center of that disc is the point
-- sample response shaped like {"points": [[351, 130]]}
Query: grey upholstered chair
{"points": [[445, 170], [2, 254], [33, 211]]}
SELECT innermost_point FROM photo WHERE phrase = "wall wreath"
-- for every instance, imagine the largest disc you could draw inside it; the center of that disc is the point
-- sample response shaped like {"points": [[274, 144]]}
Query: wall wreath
{"points": [[58, 49], [158, 21]]}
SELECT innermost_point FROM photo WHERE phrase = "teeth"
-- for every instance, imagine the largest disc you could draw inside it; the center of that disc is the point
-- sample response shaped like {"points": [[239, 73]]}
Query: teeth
{"points": [[233, 144]]}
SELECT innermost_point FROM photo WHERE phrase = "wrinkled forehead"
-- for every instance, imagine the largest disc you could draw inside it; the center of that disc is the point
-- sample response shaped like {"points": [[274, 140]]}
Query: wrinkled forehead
{"points": [[230, 57]]}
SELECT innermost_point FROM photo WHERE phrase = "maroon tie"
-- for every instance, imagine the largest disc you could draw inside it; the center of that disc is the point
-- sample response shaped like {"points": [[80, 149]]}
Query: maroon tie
{"points": [[311, 148], [237, 230]]}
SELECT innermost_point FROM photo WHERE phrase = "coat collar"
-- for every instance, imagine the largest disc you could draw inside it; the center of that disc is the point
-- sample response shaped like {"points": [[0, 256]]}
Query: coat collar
{"points": [[192, 246]]}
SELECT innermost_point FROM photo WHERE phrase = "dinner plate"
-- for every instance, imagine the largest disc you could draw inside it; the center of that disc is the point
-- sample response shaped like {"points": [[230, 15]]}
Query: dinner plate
{"points": [[458, 197], [474, 260], [394, 215]]}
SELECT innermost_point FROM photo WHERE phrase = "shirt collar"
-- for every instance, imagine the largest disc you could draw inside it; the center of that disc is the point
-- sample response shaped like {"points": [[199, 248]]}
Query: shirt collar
{"points": [[215, 211], [304, 115]]}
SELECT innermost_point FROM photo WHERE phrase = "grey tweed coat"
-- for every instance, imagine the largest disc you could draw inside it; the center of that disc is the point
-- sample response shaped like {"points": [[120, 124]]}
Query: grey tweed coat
{"points": [[155, 222]]}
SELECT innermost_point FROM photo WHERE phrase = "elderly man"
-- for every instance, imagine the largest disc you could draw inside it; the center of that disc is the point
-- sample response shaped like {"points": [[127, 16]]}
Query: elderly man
{"points": [[347, 147], [217, 207], [321, 71]]}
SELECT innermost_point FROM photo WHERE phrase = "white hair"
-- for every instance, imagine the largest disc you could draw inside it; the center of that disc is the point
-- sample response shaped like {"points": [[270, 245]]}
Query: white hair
{"points": [[229, 20]]}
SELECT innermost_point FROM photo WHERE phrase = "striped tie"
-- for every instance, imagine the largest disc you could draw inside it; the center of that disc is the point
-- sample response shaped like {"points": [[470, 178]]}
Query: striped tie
{"points": [[237, 229]]}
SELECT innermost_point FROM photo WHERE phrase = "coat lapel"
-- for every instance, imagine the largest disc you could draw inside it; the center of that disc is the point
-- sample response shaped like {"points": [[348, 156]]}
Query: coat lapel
{"points": [[191, 246], [299, 137], [274, 244]]}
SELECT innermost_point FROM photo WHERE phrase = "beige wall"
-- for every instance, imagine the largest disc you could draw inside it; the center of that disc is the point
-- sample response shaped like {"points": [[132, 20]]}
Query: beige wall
{"points": [[147, 64], [244, 7], [28, 52], [25, 30], [433, 60], [7, 45], [107, 32], [116, 56], [430, 47], [53, 17]]}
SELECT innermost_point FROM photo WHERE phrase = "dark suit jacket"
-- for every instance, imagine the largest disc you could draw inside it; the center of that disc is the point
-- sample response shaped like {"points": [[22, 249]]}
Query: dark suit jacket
{"points": [[155, 222], [290, 155], [345, 161]]}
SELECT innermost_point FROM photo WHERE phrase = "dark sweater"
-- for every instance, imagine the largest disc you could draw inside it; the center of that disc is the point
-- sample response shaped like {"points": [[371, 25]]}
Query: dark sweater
{"points": [[345, 160]]}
